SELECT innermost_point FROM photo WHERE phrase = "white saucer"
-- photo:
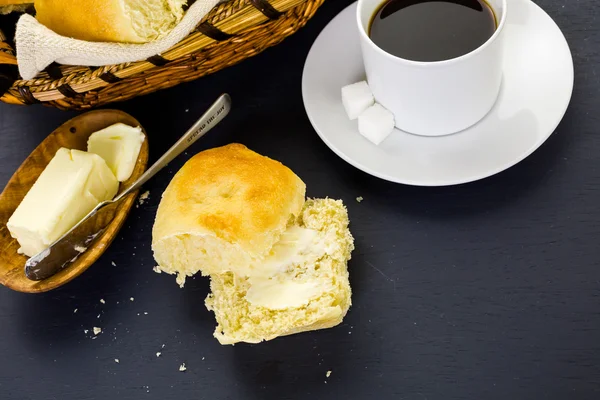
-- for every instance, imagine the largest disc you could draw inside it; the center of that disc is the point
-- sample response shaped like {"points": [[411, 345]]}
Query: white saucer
{"points": [[537, 87]]}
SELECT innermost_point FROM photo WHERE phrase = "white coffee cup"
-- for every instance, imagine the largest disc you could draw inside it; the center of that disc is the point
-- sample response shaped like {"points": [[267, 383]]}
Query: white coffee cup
{"points": [[434, 98]]}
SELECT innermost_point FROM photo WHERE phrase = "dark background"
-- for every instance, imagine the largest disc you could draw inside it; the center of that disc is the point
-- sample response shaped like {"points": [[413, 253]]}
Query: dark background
{"points": [[484, 291]]}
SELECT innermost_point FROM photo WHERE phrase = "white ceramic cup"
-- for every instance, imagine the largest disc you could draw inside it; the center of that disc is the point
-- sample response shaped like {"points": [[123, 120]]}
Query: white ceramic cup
{"points": [[434, 98]]}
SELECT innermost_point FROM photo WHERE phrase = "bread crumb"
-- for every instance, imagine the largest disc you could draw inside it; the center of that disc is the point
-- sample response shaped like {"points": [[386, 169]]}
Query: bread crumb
{"points": [[328, 374], [143, 197], [75, 311], [85, 331], [158, 354], [145, 312], [98, 316], [162, 347], [359, 199], [80, 249], [182, 367], [117, 360], [157, 269], [113, 263], [102, 301], [97, 330], [202, 358], [131, 299], [187, 110]]}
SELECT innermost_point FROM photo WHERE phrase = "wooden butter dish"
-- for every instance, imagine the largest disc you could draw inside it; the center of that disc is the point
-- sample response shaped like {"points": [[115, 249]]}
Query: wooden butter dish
{"points": [[72, 135]]}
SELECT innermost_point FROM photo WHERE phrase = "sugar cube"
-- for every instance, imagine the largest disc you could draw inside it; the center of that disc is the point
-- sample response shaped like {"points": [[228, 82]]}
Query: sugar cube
{"points": [[376, 123], [357, 98]]}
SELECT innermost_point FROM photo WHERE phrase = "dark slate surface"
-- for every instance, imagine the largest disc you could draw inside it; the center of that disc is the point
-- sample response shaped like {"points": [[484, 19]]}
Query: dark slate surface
{"points": [[484, 291]]}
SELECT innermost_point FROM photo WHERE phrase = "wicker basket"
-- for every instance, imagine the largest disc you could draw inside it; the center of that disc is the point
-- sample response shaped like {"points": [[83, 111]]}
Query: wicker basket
{"points": [[230, 33]]}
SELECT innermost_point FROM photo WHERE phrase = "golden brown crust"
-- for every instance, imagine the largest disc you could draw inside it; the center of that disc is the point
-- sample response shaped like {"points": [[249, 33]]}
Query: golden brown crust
{"points": [[91, 20], [234, 194]]}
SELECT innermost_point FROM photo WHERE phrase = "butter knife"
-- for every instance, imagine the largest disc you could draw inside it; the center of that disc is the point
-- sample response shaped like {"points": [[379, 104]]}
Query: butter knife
{"points": [[67, 248]]}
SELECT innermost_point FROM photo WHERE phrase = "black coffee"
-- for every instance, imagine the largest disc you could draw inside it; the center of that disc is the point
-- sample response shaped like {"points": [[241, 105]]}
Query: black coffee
{"points": [[432, 30]]}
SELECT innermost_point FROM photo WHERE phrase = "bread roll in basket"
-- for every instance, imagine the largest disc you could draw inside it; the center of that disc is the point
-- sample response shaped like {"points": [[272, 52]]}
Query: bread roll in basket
{"points": [[126, 21]]}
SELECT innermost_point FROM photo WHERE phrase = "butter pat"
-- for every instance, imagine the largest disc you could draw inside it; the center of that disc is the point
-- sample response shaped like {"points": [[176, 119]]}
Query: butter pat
{"points": [[71, 185], [119, 145]]}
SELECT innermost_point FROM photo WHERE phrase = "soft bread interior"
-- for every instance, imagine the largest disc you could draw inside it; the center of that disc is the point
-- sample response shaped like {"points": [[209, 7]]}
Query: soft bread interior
{"points": [[187, 254], [152, 19], [308, 290]]}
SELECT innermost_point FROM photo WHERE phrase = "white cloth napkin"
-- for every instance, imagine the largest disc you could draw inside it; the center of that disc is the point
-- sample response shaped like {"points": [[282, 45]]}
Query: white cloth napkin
{"points": [[38, 46]]}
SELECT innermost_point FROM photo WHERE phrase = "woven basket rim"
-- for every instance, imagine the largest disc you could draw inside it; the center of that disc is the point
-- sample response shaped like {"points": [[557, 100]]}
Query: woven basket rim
{"points": [[225, 25]]}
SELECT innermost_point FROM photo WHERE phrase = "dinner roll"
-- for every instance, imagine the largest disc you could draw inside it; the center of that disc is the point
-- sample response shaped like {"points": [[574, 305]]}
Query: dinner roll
{"points": [[129, 21], [224, 209], [277, 262]]}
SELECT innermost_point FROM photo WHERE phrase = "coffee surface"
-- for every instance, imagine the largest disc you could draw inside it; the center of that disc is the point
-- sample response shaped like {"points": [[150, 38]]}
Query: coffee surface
{"points": [[432, 30]]}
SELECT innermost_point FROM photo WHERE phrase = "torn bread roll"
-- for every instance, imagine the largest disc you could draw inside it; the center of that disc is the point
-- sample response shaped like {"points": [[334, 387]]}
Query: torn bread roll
{"points": [[277, 262], [223, 210], [307, 288], [127, 21]]}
